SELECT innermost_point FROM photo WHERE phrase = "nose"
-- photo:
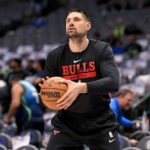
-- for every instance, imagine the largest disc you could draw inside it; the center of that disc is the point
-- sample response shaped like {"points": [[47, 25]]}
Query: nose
{"points": [[71, 23]]}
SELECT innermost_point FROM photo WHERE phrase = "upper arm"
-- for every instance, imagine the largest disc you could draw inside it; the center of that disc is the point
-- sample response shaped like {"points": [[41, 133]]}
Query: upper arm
{"points": [[50, 65], [114, 108], [107, 64], [108, 73], [17, 91]]}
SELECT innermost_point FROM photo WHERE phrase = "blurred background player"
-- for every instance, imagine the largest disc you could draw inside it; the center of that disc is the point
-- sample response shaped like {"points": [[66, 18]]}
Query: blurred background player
{"points": [[25, 106]]}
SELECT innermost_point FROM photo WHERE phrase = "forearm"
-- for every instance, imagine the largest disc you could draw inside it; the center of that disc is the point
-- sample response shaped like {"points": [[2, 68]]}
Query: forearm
{"points": [[103, 86], [11, 113], [125, 122]]}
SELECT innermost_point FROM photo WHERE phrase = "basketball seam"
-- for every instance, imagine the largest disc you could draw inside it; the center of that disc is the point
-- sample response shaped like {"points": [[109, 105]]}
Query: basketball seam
{"points": [[53, 88], [50, 100]]}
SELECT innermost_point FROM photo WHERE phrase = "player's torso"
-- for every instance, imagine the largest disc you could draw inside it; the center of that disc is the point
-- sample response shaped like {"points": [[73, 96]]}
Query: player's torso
{"points": [[29, 101], [79, 66], [82, 67]]}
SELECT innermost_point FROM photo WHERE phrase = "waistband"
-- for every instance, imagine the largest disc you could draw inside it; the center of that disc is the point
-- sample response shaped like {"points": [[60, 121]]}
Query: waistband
{"points": [[89, 115]]}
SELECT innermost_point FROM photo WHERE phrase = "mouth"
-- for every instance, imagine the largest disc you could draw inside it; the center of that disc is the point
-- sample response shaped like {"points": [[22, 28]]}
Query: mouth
{"points": [[71, 29]]}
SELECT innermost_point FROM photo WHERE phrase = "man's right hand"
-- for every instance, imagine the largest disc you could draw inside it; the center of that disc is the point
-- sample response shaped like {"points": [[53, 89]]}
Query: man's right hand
{"points": [[136, 124], [42, 81], [6, 120]]}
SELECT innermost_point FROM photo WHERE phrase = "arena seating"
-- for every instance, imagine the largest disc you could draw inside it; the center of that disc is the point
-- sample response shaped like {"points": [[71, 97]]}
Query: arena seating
{"points": [[124, 141], [131, 148], [144, 143], [2, 147], [28, 147], [6, 140]]}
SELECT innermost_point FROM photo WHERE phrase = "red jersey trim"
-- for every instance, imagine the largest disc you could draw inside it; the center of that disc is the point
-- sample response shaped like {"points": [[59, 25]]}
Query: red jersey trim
{"points": [[80, 76]]}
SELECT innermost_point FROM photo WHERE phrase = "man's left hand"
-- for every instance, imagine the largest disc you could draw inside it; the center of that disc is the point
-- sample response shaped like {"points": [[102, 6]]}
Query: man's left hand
{"points": [[74, 89]]}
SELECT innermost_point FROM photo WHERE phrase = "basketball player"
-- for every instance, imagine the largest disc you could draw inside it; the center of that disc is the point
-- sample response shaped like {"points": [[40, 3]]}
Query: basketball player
{"points": [[84, 116], [25, 106]]}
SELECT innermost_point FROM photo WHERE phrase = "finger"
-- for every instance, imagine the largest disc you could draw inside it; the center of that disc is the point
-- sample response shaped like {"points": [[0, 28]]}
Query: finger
{"points": [[63, 98], [67, 106], [40, 85], [63, 81], [64, 103], [43, 79], [47, 77], [64, 106]]}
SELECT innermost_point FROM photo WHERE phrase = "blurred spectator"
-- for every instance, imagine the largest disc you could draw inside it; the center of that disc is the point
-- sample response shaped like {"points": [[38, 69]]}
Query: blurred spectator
{"points": [[1, 72], [15, 66], [114, 4], [133, 29], [39, 67], [119, 30], [116, 43], [132, 48], [25, 106], [4, 96], [37, 6], [30, 67], [121, 102], [112, 40], [38, 21]]}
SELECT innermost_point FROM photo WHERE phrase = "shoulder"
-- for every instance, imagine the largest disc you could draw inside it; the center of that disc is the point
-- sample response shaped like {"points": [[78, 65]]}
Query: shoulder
{"points": [[99, 44], [113, 101], [57, 50], [17, 87], [101, 47]]}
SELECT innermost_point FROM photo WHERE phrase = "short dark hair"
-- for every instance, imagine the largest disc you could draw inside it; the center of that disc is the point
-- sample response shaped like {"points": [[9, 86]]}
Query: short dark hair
{"points": [[41, 62], [84, 13], [16, 60], [16, 77]]}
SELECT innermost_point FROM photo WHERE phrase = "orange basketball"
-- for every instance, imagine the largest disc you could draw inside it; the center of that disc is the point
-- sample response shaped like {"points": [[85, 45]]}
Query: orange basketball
{"points": [[51, 91]]}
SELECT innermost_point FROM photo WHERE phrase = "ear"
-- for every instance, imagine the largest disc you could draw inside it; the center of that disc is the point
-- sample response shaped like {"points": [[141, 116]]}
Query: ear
{"points": [[88, 26]]}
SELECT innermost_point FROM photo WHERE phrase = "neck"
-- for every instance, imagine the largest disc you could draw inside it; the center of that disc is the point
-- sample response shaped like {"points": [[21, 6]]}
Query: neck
{"points": [[78, 44]]}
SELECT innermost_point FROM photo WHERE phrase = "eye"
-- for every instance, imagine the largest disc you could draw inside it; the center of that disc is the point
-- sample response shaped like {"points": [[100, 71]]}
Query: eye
{"points": [[68, 20], [77, 19]]}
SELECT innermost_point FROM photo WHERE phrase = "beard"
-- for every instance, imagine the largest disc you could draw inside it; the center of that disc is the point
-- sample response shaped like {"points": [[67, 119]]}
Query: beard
{"points": [[75, 34]]}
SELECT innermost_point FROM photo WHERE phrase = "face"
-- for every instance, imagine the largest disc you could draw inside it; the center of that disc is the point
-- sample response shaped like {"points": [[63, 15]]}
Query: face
{"points": [[77, 25], [37, 66], [126, 101], [13, 65]]}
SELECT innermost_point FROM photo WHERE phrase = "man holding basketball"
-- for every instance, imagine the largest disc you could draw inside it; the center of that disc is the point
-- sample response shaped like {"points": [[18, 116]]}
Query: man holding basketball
{"points": [[84, 116]]}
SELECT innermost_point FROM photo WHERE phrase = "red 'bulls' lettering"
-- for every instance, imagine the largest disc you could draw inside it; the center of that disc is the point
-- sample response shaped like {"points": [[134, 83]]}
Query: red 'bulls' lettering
{"points": [[80, 69]]}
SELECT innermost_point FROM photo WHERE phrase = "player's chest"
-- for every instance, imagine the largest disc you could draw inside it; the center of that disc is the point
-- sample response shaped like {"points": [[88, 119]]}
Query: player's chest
{"points": [[79, 66]]}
